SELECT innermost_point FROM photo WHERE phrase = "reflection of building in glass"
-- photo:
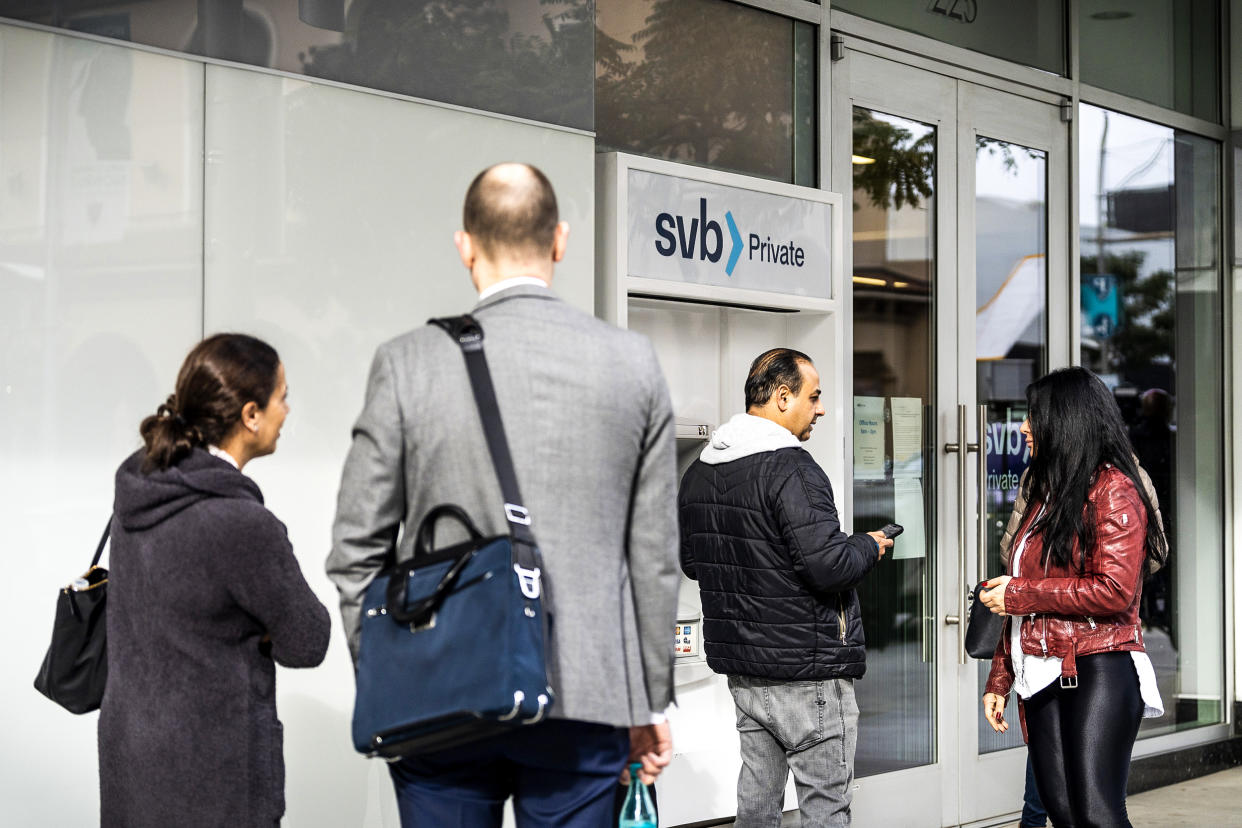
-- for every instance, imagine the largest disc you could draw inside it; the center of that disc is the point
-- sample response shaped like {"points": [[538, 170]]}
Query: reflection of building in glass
{"points": [[529, 58], [668, 84], [1148, 258], [894, 244]]}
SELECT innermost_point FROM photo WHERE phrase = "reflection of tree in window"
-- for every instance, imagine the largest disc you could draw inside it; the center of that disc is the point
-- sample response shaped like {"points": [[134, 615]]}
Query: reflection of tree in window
{"points": [[1004, 149], [467, 52], [899, 167], [703, 82]]}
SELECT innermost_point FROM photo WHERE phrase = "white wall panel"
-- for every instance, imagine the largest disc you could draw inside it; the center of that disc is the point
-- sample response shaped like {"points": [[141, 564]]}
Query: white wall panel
{"points": [[100, 298], [329, 221]]}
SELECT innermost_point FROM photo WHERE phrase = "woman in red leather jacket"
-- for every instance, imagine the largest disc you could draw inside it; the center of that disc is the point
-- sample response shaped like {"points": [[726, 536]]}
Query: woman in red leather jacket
{"points": [[1073, 647]]}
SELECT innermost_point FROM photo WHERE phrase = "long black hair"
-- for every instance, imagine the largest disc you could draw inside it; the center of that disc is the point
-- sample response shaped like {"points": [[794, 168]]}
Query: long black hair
{"points": [[1077, 428]]}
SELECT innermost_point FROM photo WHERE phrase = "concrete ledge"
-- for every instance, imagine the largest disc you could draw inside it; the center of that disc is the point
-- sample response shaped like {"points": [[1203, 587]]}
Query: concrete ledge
{"points": [[1170, 768]]}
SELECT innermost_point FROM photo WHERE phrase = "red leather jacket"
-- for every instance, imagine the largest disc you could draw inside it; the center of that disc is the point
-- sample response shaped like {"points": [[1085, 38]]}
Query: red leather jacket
{"points": [[1067, 615]]}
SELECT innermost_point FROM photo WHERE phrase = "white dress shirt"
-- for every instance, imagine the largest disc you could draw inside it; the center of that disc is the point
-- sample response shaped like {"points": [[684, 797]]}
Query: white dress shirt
{"points": [[505, 284]]}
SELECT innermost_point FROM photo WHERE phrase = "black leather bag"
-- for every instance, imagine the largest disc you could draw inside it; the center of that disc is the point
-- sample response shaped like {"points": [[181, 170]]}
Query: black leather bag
{"points": [[75, 669], [983, 629]]}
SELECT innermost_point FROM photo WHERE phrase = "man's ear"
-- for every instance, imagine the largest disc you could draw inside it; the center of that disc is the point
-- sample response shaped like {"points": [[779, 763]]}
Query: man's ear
{"points": [[783, 395], [465, 248], [560, 240]]}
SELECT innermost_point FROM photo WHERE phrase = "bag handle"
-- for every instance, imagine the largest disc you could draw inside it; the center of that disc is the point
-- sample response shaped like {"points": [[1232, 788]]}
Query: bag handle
{"points": [[425, 537], [465, 330], [103, 541], [398, 585]]}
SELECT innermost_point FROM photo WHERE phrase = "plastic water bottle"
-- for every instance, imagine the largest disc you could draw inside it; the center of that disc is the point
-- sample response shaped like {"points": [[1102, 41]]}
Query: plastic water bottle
{"points": [[638, 811]]}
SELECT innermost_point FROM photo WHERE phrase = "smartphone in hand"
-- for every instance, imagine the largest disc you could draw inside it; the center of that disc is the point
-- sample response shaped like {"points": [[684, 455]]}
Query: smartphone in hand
{"points": [[892, 530]]}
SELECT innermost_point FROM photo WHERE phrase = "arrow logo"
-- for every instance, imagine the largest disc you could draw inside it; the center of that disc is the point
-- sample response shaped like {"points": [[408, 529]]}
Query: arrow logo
{"points": [[737, 244]]}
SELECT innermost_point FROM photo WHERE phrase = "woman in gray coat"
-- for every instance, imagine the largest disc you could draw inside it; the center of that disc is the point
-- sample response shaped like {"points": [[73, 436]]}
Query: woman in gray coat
{"points": [[205, 596]]}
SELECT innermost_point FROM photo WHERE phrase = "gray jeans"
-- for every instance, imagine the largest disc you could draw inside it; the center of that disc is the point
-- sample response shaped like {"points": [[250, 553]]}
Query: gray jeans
{"points": [[809, 727]]}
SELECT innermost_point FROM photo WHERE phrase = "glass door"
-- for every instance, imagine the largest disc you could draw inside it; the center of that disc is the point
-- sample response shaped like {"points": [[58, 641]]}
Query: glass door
{"points": [[1013, 288], [955, 242]]}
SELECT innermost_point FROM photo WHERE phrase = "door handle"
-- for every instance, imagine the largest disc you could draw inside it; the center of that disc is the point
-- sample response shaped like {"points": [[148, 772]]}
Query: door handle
{"points": [[982, 457], [961, 449]]}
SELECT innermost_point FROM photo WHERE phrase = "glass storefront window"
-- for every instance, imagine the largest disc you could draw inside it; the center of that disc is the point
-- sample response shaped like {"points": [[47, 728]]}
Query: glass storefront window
{"points": [[529, 58], [1163, 51], [1026, 32], [894, 383], [1151, 328], [671, 82]]}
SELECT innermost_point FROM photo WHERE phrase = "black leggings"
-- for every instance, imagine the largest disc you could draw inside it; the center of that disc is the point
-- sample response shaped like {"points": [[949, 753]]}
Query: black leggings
{"points": [[1080, 742]]}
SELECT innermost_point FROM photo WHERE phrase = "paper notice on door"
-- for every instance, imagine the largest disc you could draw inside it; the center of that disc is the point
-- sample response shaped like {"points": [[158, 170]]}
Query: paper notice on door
{"points": [[868, 438], [907, 436], [908, 511]]}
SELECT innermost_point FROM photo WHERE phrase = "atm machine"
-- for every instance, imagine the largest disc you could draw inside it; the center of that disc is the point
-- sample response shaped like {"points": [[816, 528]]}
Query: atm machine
{"points": [[716, 268]]}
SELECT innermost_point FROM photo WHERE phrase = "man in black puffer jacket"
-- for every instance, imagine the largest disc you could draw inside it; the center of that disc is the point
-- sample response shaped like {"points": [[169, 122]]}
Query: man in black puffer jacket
{"points": [[760, 533]]}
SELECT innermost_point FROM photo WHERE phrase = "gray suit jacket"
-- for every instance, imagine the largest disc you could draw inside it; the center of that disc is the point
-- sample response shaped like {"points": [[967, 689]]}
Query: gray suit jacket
{"points": [[591, 431]]}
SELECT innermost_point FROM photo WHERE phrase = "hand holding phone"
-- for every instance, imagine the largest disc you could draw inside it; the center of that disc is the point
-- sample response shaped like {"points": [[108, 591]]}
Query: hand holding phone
{"points": [[884, 537]]}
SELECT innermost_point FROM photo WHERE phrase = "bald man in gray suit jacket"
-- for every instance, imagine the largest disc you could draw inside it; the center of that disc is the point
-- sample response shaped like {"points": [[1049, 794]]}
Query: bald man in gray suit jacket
{"points": [[590, 428]]}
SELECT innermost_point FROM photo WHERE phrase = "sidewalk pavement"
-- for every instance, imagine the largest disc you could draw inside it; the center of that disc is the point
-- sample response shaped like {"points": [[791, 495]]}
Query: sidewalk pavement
{"points": [[1207, 802], [1213, 801]]}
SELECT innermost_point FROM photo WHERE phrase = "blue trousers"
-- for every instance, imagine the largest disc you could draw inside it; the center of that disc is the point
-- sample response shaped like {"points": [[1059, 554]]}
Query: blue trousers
{"points": [[1033, 813], [559, 773]]}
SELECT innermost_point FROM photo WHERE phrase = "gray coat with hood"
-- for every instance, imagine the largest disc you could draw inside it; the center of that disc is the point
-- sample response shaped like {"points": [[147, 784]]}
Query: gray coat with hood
{"points": [[199, 573]]}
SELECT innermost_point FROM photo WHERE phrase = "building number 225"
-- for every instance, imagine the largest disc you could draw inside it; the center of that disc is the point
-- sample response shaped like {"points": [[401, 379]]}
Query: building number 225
{"points": [[962, 10]]}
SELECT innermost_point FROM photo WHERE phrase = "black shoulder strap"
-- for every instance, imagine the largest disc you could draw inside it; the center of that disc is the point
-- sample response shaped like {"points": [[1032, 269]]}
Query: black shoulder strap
{"points": [[467, 333], [103, 541]]}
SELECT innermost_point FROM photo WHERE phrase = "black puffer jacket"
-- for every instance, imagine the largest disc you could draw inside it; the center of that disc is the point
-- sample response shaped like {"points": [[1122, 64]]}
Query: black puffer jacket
{"points": [[776, 573]]}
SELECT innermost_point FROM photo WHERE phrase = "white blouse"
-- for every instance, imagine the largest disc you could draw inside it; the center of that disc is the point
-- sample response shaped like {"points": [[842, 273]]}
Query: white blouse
{"points": [[1032, 673]]}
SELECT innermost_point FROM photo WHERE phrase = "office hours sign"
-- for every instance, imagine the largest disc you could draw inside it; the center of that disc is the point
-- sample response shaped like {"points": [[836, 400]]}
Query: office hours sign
{"points": [[686, 230]]}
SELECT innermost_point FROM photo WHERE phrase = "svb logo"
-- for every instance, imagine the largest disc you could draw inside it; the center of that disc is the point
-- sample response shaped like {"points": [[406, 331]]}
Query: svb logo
{"points": [[699, 230], [705, 238]]}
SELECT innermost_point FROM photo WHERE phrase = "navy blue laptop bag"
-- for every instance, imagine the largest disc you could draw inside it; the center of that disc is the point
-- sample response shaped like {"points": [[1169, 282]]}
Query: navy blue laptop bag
{"points": [[452, 646]]}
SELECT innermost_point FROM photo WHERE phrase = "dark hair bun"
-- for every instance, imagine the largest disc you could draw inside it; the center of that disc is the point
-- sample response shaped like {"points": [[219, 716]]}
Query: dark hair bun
{"points": [[168, 436]]}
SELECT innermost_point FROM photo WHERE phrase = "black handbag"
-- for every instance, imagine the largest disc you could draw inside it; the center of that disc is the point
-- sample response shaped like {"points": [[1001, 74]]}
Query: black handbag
{"points": [[75, 669], [453, 641], [983, 629]]}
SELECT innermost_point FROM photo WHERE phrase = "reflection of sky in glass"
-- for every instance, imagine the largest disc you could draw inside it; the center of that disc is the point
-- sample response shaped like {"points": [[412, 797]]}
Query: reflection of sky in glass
{"points": [[1024, 182], [1010, 243], [892, 119], [1137, 155], [916, 129], [622, 20]]}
